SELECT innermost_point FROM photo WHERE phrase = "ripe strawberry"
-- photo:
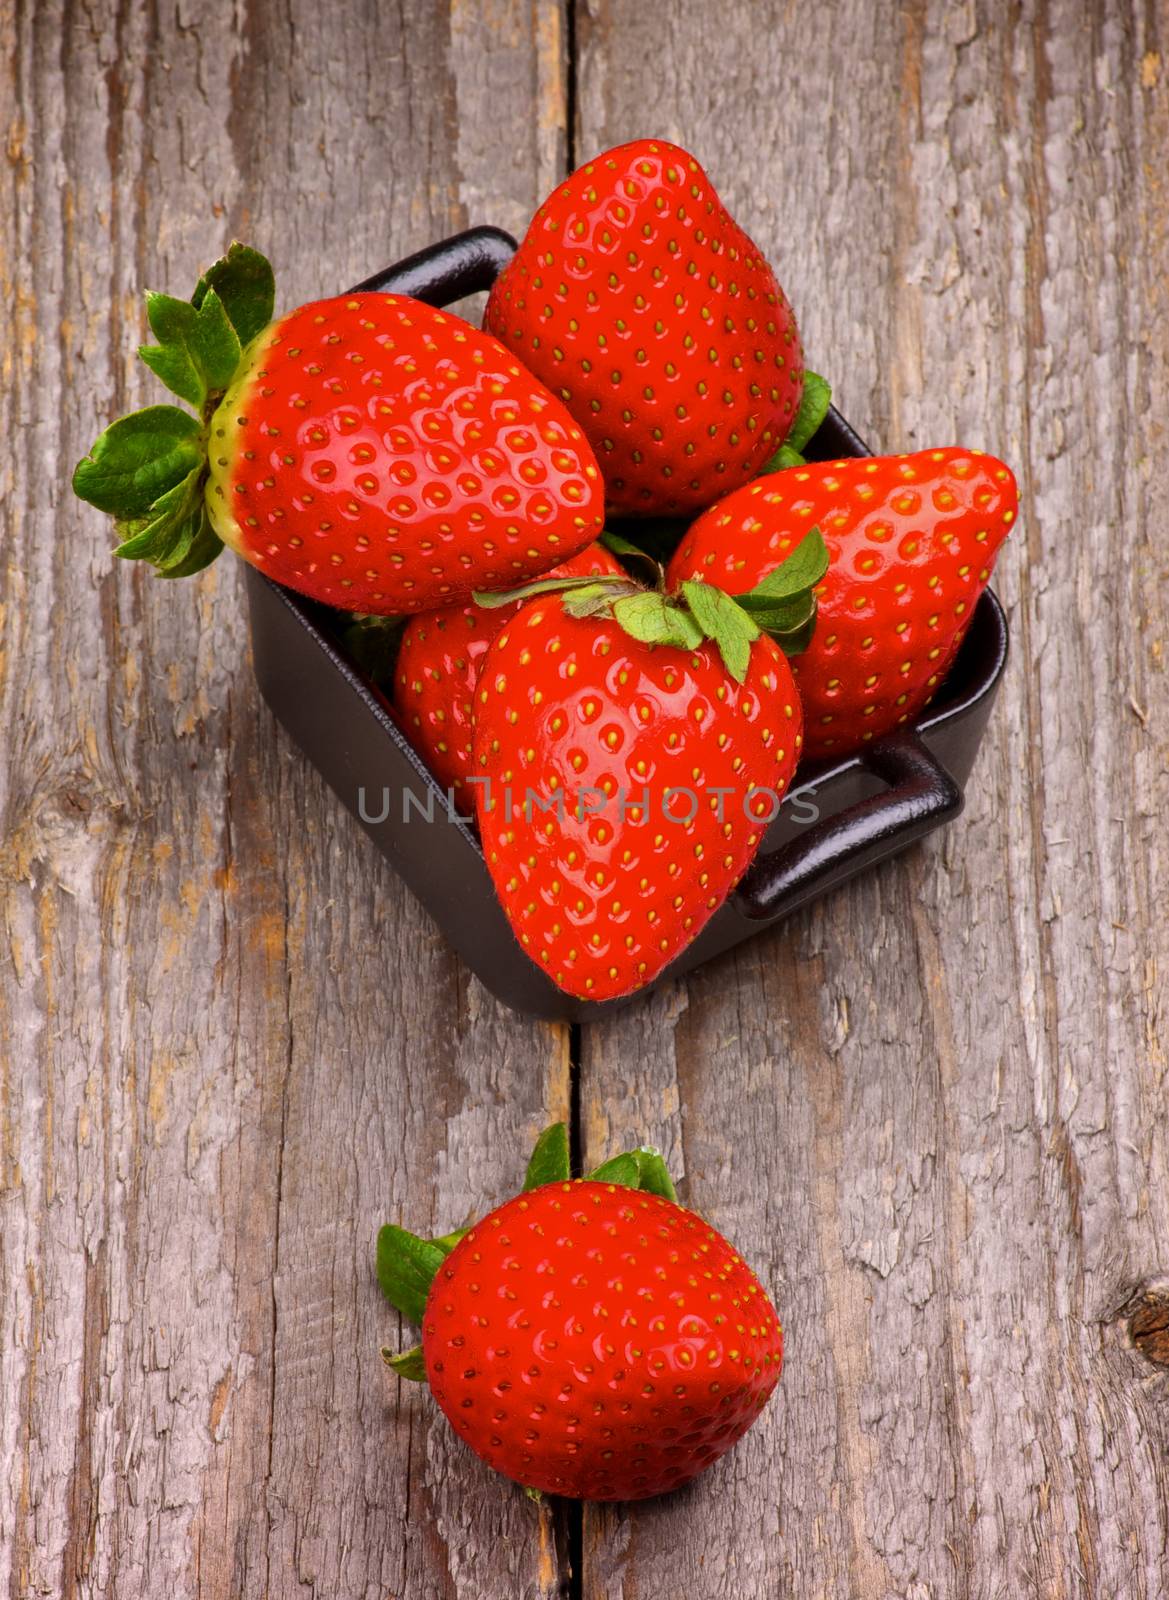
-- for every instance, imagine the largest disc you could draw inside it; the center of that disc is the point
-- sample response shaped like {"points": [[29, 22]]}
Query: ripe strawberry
{"points": [[647, 309], [591, 1338], [912, 541], [631, 750], [368, 450], [438, 666]]}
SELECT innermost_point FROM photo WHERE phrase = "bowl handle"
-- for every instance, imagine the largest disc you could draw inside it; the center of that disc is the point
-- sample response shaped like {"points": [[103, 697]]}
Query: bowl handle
{"points": [[446, 271], [922, 795]]}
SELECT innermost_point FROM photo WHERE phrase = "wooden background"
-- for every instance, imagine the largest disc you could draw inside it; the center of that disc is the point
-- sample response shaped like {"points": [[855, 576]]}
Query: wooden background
{"points": [[932, 1110]]}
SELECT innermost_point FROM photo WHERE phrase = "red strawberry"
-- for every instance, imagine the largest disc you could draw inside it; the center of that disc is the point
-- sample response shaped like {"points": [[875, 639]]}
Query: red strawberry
{"points": [[634, 750], [912, 541], [438, 666], [657, 321], [592, 1338], [368, 450]]}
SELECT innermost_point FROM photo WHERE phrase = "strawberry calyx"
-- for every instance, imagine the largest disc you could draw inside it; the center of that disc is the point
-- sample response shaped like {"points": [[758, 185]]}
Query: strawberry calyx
{"points": [[148, 469], [782, 605], [407, 1263], [814, 404], [372, 644], [406, 1363], [494, 599]]}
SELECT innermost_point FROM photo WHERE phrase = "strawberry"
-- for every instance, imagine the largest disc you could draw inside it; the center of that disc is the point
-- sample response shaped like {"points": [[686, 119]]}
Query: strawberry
{"points": [[631, 750], [911, 540], [368, 450], [438, 666], [590, 1338], [647, 309]]}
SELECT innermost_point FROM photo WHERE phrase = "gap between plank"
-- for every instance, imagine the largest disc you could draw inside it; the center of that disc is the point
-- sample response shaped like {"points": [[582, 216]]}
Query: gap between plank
{"points": [[570, 98], [572, 1582]]}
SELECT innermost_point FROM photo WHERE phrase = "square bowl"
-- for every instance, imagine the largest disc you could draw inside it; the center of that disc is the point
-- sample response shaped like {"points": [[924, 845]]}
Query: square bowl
{"points": [[838, 818]]}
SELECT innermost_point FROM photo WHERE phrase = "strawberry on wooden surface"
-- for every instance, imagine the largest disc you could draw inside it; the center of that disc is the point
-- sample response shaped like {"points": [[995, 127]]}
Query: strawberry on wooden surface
{"points": [[645, 307], [589, 1338], [437, 669], [912, 541], [367, 450]]}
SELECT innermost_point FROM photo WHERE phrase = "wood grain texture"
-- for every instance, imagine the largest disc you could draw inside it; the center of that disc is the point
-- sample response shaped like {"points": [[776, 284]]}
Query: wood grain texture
{"points": [[231, 1043], [932, 1110]]}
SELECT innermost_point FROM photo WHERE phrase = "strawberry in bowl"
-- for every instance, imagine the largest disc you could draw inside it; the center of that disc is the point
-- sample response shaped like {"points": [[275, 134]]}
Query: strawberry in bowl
{"points": [[631, 748], [912, 542], [367, 450], [644, 306], [437, 668]]}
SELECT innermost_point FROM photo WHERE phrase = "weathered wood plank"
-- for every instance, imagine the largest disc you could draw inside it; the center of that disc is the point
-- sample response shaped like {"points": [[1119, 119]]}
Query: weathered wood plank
{"points": [[231, 1045], [932, 1109]]}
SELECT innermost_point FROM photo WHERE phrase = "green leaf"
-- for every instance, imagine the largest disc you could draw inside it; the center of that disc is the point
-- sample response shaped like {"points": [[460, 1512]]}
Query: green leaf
{"points": [[641, 1169], [406, 1266], [783, 458], [172, 323], [199, 552], [802, 570], [446, 1242], [653, 619], [654, 1174], [173, 365], [623, 1170], [148, 538], [783, 604], [723, 621], [617, 545], [595, 599], [407, 1363], [817, 397], [795, 640], [215, 344], [550, 1161], [138, 459], [176, 535], [778, 616], [243, 282], [198, 349], [492, 599], [166, 541]]}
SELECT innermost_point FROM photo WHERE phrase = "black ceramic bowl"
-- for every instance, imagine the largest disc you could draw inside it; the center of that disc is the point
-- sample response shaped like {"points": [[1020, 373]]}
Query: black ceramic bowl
{"points": [[840, 818]]}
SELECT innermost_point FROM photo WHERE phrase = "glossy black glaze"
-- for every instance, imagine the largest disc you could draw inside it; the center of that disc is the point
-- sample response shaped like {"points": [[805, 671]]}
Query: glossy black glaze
{"points": [[447, 271], [841, 818], [921, 796]]}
